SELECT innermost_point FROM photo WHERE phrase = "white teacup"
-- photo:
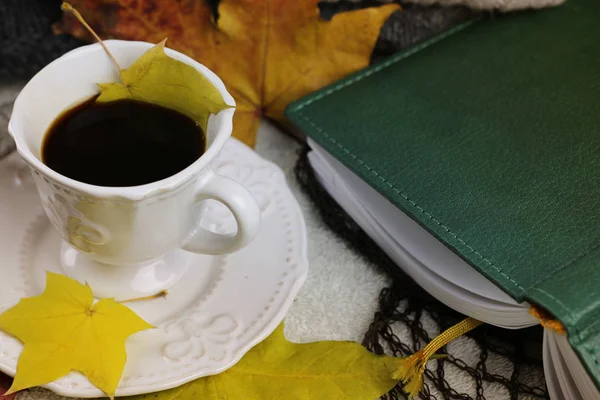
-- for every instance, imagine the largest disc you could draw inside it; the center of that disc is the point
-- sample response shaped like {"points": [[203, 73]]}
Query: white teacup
{"points": [[127, 242]]}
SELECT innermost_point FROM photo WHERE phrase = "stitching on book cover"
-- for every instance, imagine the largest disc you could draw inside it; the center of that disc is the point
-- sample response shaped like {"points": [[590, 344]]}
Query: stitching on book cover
{"points": [[586, 347], [591, 351], [366, 74], [414, 204], [381, 67], [566, 265]]}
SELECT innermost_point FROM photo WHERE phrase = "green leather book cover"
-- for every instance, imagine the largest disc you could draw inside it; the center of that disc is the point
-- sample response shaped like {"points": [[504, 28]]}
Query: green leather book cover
{"points": [[488, 135]]}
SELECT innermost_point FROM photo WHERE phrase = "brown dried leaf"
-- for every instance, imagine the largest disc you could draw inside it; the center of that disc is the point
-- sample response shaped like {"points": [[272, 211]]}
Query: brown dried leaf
{"points": [[268, 52]]}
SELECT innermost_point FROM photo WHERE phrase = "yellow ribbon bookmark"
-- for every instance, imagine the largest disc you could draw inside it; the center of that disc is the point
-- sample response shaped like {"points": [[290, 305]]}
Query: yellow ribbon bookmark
{"points": [[546, 320], [411, 369]]}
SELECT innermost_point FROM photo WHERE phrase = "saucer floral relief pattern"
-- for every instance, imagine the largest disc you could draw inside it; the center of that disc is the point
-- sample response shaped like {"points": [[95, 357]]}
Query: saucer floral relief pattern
{"points": [[209, 334], [200, 338], [195, 338]]}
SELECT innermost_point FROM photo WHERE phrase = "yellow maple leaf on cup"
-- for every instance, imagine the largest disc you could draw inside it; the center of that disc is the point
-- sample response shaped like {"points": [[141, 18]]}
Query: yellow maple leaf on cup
{"points": [[63, 330], [159, 79], [268, 52]]}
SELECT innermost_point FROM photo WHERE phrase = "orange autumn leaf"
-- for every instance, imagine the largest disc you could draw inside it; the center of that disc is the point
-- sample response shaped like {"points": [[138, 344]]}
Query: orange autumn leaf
{"points": [[268, 52]]}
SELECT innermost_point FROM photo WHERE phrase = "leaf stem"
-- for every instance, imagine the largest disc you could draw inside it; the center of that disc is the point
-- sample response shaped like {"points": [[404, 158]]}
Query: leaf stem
{"points": [[159, 295], [68, 7]]}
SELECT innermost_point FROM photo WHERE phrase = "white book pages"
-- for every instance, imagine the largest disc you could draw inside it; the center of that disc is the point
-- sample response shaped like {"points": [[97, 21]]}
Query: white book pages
{"points": [[444, 275], [552, 383], [421, 244], [585, 386], [564, 379], [456, 284]]}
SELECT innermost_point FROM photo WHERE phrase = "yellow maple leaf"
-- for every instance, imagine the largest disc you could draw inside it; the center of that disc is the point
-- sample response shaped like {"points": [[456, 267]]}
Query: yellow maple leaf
{"points": [[159, 79], [63, 330], [268, 52], [278, 369]]}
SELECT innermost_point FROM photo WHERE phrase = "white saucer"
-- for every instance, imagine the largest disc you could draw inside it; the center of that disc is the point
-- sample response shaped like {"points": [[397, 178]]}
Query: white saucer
{"points": [[222, 307]]}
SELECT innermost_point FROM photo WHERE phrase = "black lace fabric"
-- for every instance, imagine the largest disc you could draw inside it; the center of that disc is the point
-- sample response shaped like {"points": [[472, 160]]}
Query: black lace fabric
{"points": [[406, 308]]}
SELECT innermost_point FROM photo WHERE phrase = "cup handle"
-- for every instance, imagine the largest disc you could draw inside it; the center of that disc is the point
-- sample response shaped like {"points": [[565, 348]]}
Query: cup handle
{"points": [[242, 205]]}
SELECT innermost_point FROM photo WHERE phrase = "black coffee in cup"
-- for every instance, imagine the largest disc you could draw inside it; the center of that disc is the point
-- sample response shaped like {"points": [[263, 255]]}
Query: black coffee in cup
{"points": [[121, 143]]}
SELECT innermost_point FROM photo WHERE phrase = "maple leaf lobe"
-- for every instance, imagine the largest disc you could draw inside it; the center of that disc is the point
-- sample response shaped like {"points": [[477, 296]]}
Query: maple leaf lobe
{"points": [[268, 53], [63, 330], [277, 369], [165, 81]]}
